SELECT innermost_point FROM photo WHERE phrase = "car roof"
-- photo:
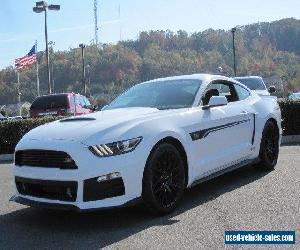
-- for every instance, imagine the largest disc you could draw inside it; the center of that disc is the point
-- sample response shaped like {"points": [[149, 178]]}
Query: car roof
{"points": [[202, 77], [56, 94], [245, 77]]}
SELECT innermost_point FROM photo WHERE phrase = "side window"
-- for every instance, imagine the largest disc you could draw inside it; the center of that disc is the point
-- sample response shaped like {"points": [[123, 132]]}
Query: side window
{"points": [[82, 102], [242, 92], [77, 100], [87, 102], [220, 88], [72, 100]]}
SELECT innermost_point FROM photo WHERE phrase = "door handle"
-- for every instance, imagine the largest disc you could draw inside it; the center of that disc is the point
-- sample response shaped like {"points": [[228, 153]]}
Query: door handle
{"points": [[244, 112]]}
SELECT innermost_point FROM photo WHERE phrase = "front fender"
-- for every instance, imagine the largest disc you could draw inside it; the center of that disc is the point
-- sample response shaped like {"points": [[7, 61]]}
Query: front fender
{"points": [[180, 136]]}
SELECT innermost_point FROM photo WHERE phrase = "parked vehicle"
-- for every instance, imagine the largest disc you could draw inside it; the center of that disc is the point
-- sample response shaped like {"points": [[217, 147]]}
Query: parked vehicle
{"points": [[60, 104], [15, 117], [150, 144], [256, 83], [294, 96]]}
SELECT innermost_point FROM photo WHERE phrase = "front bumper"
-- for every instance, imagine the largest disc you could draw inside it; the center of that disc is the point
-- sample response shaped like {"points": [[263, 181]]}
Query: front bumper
{"points": [[80, 189]]}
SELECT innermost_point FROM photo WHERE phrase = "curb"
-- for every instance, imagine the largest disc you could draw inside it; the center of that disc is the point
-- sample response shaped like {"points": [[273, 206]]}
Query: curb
{"points": [[290, 139]]}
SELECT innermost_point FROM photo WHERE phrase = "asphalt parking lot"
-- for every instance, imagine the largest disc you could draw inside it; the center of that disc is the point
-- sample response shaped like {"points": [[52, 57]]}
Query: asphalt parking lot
{"points": [[246, 199]]}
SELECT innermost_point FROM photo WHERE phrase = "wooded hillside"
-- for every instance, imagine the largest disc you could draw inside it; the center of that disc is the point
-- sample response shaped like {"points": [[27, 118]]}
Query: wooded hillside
{"points": [[266, 49]]}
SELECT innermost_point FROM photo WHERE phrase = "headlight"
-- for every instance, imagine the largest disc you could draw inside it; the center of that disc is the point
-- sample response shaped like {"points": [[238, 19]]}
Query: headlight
{"points": [[115, 148]]}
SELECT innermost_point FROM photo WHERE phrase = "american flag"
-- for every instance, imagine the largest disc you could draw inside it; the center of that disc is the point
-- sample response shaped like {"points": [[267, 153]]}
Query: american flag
{"points": [[27, 60]]}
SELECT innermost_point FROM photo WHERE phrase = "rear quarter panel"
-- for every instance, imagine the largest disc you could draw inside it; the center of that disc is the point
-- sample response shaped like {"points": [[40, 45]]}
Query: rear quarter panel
{"points": [[266, 107]]}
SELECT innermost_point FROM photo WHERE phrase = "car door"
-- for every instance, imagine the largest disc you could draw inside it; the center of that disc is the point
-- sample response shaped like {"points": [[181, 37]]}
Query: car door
{"points": [[223, 135]]}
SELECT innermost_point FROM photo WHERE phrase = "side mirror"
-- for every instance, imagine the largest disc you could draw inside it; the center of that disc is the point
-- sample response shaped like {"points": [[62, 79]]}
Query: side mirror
{"points": [[272, 89], [216, 101], [94, 107]]}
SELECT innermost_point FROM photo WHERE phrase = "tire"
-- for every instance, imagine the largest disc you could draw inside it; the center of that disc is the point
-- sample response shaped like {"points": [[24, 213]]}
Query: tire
{"points": [[269, 147], [164, 179]]}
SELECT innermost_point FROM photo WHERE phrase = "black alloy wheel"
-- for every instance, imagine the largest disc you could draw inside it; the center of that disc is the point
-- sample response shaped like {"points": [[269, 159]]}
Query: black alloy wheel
{"points": [[164, 179], [269, 147]]}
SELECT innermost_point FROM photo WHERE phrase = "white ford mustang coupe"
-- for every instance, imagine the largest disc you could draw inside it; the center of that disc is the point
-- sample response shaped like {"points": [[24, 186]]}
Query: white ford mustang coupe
{"points": [[150, 144]]}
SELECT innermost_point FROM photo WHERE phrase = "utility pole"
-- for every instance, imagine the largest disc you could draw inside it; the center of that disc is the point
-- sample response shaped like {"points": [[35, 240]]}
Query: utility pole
{"points": [[52, 76], [82, 46], [51, 43], [47, 53], [37, 72], [233, 30], [96, 21], [119, 16], [88, 83]]}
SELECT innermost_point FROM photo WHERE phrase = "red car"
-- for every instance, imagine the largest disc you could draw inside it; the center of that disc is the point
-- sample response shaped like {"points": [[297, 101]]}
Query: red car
{"points": [[61, 104]]}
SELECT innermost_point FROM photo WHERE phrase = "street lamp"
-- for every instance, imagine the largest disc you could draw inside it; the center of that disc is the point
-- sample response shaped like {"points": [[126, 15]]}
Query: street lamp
{"points": [[233, 30], [42, 6], [82, 46]]}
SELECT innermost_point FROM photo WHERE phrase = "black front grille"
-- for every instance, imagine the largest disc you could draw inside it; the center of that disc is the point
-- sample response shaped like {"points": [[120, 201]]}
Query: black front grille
{"points": [[54, 190], [44, 158]]}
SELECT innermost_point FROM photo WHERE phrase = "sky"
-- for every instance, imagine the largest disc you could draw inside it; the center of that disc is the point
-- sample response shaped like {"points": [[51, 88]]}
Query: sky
{"points": [[74, 23]]}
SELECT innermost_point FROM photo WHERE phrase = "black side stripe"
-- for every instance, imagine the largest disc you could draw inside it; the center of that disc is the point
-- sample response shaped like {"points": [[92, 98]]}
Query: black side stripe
{"points": [[254, 128], [197, 135]]}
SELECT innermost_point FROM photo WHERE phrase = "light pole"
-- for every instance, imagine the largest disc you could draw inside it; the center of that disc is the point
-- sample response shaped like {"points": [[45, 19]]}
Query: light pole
{"points": [[51, 57], [82, 46], [42, 6], [88, 68], [233, 30]]}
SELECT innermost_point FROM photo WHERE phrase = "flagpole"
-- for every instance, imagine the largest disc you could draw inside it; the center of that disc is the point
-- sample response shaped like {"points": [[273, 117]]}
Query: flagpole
{"points": [[37, 71], [19, 93]]}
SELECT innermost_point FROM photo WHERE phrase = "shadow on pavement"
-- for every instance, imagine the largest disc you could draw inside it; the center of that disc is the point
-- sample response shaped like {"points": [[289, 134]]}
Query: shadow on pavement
{"points": [[40, 229]]}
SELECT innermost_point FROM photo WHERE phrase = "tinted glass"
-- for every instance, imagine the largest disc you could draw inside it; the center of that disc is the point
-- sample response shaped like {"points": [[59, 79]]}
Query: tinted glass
{"points": [[252, 83], [50, 102], [220, 88], [168, 94], [242, 93], [223, 89]]}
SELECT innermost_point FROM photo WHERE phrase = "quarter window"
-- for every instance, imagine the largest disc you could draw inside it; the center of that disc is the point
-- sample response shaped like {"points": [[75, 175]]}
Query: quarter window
{"points": [[242, 92], [220, 88]]}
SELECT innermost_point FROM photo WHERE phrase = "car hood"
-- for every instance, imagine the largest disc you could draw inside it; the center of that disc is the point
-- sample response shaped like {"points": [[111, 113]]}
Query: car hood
{"points": [[80, 128]]}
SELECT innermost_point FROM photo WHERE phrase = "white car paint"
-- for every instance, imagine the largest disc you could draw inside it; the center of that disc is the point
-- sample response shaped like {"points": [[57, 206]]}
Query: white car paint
{"points": [[237, 142]]}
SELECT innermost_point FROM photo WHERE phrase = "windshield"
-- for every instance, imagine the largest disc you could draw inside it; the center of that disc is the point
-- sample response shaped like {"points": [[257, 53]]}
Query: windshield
{"points": [[252, 83], [50, 102], [167, 94]]}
